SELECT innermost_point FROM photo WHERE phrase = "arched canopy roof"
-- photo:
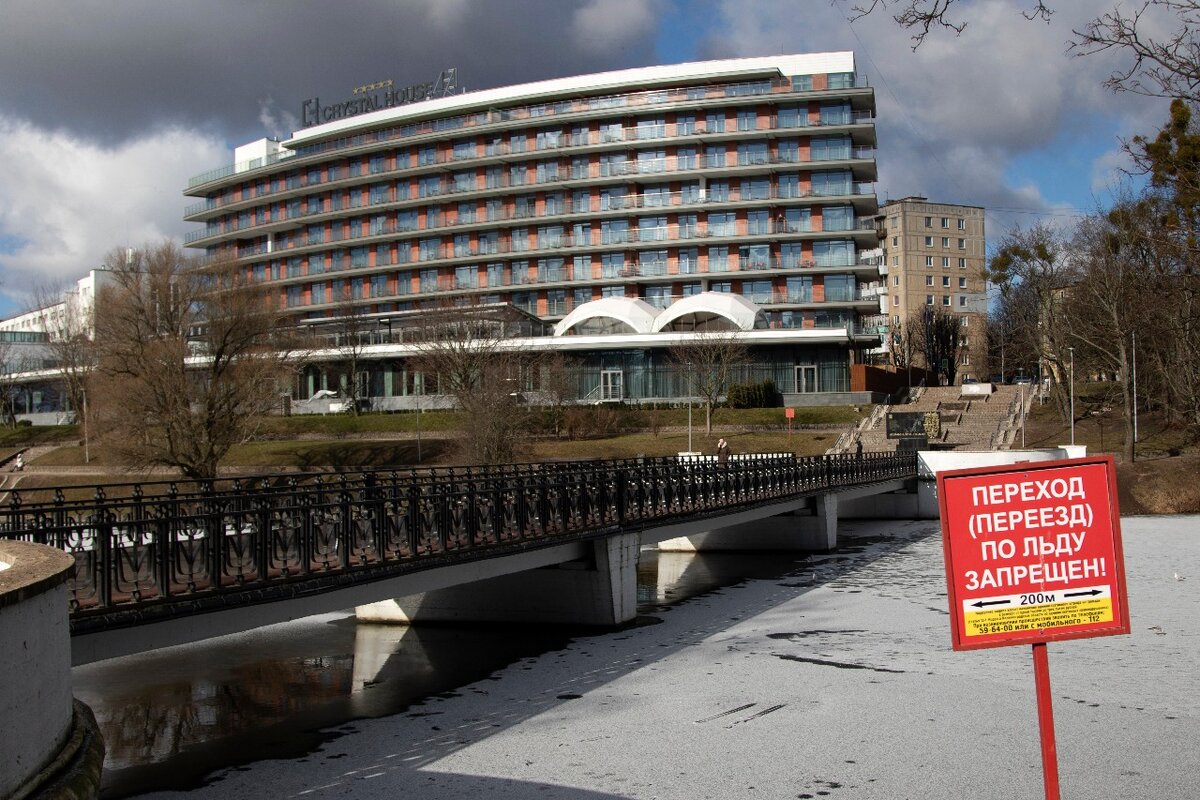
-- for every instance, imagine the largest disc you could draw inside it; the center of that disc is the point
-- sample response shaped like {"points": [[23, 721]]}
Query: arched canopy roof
{"points": [[614, 315], [700, 311]]}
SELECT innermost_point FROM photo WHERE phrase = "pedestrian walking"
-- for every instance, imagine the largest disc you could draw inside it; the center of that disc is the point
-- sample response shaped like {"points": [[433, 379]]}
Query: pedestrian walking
{"points": [[20, 463], [722, 451], [858, 449]]}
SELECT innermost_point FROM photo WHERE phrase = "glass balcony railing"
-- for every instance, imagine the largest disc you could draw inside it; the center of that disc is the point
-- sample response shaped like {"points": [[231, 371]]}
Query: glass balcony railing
{"points": [[491, 118]]}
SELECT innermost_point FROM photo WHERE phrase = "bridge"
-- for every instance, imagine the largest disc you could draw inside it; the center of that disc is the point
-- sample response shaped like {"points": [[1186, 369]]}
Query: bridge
{"points": [[164, 563]]}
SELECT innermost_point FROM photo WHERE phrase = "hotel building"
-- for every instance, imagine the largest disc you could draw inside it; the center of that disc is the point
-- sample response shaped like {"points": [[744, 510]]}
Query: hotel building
{"points": [[616, 214]]}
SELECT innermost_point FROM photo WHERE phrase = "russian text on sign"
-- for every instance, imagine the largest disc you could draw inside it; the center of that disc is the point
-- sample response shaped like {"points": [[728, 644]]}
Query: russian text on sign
{"points": [[1028, 491], [1052, 572]]}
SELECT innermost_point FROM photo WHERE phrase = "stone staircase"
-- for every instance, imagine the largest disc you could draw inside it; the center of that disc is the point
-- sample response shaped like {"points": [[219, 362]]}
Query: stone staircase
{"points": [[989, 422]]}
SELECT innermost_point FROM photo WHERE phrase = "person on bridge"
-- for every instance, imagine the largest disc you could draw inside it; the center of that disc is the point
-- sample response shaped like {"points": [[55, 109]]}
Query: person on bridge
{"points": [[722, 452]]}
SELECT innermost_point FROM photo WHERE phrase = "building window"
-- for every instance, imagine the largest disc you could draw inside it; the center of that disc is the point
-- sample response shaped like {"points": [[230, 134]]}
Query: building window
{"points": [[945, 262], [929, 222], [929, 241], [689, 259], [962, 263], [946, 281], [758, 222], [895, 241], [962, 224], [895, 280], [929, 261], [929, 280], [945, 299], [928, 299], [945, 222], [757, 291], [962, 283], [718, 259], [962, 244]]}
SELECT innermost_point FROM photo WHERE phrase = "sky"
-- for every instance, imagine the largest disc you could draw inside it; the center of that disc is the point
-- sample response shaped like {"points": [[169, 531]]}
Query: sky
{"points": [[108, 107]]}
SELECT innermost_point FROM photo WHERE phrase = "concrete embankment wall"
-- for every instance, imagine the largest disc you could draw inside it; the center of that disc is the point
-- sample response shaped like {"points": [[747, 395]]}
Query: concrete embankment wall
{"points": [[49, 746]]}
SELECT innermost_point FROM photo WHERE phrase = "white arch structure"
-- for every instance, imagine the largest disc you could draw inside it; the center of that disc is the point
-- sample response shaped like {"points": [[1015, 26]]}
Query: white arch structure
{"points": [[740, 312], [637, 315]]}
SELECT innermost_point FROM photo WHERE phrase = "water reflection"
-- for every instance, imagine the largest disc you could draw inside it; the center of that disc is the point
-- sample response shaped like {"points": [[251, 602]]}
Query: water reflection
{"points": [[172, 716]]}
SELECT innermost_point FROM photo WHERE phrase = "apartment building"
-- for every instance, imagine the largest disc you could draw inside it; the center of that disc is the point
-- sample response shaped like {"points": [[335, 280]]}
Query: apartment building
{"points": [[934, 254]]}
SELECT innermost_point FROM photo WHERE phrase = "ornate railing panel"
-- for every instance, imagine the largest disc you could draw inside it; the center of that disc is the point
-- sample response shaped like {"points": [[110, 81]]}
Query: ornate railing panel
{"points": [[150, 545]]}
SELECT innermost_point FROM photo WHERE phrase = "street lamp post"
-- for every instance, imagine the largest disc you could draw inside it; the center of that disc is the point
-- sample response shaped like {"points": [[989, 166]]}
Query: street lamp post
{"points": [[689, 391], [1135, 430], [1071, 351]]}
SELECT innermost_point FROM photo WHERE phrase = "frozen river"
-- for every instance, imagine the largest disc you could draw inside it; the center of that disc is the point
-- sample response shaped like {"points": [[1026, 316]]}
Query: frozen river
{"points": [[825, 677]]}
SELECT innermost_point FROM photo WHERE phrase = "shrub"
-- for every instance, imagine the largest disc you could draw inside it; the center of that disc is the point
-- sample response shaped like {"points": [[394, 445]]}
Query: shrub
{"points": [[588, 422], [752, 395]]}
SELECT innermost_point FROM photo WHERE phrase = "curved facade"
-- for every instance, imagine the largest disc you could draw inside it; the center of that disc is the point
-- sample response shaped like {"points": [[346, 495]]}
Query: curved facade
{"points": [[747, 176]]}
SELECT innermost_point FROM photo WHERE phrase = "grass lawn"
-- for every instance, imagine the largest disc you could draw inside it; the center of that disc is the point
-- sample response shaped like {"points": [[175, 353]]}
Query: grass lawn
{"points": [[345, 442]]}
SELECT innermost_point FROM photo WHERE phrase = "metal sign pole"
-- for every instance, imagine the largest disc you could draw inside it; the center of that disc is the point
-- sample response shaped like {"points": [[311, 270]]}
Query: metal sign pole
{"points": [[1045, 707]]}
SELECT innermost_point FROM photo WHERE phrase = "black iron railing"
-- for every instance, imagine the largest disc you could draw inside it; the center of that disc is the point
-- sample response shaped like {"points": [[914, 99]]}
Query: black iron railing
{"points": [[166, 549]]}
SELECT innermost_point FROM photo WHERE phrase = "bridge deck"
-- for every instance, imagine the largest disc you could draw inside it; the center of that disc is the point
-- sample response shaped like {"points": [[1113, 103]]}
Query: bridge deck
{"points": [[144, 558]]}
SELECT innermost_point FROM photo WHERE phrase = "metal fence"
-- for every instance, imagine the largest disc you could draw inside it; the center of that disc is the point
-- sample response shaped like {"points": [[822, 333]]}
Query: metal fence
{"points": [[167, 549]]}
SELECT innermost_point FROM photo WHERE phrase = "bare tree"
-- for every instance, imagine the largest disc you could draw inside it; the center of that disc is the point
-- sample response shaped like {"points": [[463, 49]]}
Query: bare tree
{"points": [[556, 388], [12, 364], [352, 333], [1112, 298], [904, 346], [1034, 272], [1161, 38], [937, 334], [471, 355], [189, 358], [707, 360], [1165, 60], [924, 16]]}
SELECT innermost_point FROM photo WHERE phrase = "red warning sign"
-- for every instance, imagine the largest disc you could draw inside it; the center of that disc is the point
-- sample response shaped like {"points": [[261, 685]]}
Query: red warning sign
{"points": [[1033, 552]]}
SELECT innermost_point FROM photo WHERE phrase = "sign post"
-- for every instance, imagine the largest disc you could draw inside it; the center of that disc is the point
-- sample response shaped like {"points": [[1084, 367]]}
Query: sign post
{"points": [[1033, 555], [790, 413]]}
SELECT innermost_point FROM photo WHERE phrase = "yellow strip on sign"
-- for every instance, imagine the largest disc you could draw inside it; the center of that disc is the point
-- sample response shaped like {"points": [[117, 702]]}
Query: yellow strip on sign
{"points": [[1038, 617]]}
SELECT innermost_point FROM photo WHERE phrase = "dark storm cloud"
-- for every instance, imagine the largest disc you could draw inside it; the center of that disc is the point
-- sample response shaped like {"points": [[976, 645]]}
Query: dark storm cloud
{"points": [[111, 70]]}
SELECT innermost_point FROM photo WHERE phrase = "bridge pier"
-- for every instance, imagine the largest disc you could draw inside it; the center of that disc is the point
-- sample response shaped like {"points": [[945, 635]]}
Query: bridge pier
{"points": [[598, 590], [810, 528]]}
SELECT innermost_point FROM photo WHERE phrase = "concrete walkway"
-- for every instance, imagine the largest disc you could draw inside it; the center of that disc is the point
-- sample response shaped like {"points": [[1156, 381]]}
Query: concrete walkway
{"points": [[839, 682]]}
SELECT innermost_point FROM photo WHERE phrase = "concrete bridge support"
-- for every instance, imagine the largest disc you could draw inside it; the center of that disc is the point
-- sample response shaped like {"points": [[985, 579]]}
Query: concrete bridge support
{"points": [[810, 528], [599, 590]]}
